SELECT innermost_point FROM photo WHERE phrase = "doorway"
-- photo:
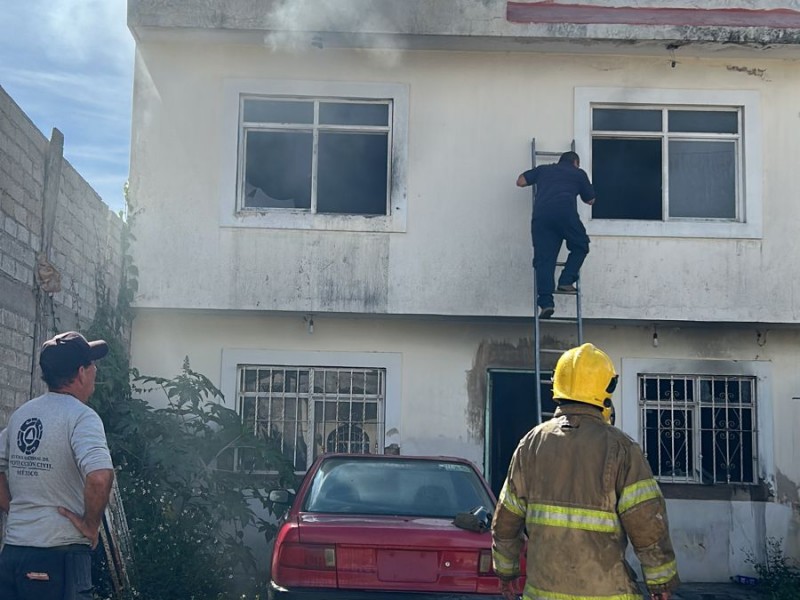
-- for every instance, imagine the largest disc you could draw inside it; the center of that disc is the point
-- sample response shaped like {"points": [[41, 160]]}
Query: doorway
{"points": [[511, 413]]}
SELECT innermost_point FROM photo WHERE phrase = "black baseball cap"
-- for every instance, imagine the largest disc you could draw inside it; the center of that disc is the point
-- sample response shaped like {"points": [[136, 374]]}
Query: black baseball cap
{"points": [[63, 354]]}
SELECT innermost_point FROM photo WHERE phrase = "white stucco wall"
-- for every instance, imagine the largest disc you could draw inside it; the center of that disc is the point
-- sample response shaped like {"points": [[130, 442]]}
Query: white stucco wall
{"points": [[434, 402], [463, 249], [466, 248]]}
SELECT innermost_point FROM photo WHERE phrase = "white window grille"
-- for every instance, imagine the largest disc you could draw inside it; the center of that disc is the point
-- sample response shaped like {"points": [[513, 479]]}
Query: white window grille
{"points": [[315, 155], [308, 411], [700, 429]]}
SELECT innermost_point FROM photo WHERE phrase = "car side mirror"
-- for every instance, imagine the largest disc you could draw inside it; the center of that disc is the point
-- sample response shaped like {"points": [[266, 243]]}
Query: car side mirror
{"points": [[280, 497]]}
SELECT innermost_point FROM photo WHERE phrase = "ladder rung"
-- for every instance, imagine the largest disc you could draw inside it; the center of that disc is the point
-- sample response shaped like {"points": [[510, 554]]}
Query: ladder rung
{"points": [[553, 350], [560, 293], [559, 320]]}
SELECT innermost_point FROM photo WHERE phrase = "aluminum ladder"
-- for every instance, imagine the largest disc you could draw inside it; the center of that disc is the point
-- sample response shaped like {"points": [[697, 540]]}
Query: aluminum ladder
{"points": [[545, 354]]}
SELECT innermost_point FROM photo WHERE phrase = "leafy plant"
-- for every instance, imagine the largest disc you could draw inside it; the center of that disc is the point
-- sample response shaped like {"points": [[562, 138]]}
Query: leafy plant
{"points": [[779, 576], [187, 500]]}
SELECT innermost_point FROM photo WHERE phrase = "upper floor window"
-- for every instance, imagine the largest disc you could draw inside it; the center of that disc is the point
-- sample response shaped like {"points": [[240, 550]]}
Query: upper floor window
{"points": [[700, 429], [663, 164], [673, 163], [314, 155]]}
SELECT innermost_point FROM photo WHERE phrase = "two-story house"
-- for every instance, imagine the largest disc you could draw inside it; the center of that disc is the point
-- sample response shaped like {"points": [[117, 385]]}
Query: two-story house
{"points": [[330, 229]]}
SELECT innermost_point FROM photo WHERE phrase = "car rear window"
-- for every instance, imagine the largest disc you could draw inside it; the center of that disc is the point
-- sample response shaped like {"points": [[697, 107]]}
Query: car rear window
{"points": [[423, 488]]}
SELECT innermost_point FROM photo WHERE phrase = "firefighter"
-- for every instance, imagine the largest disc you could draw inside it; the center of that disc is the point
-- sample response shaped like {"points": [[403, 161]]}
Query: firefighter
{"points": [[582, 488]]}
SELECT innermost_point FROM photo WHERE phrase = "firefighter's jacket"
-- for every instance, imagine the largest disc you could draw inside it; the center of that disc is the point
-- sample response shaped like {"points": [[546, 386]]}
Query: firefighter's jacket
{"points": [[579, 486]]}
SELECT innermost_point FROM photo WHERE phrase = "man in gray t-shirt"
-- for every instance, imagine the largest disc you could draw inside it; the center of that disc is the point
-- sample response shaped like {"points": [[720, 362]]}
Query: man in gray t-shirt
{"points": [[55, 478]]}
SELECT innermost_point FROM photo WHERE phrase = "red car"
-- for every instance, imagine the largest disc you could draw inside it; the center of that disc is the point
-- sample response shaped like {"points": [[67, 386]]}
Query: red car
{"points": [[374, 527]]}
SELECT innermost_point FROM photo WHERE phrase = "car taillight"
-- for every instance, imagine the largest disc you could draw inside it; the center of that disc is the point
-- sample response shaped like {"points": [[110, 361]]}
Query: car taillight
{"points": [[485, 563], [308, 556], [295, 564]]}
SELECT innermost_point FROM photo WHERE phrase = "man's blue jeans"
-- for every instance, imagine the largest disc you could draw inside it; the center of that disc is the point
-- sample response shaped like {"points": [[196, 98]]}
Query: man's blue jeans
{"points": [[549, 230], [59, 573]]}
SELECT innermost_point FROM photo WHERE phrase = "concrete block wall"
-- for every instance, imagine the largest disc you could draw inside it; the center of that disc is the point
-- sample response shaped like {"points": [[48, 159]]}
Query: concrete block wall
{"points": [[85, 246]]}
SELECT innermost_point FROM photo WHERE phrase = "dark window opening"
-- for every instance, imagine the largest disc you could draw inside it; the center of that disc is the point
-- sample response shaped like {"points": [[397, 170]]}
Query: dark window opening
{"points": [[323, 156], [627, 179], [352, 173]]}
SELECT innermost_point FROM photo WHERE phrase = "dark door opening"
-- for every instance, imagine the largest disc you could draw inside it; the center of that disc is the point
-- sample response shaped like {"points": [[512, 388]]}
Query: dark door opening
{"points": [[512, 413]]}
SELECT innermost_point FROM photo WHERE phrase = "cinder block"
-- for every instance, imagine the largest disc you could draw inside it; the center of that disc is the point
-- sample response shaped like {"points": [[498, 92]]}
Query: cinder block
{"points": [[7, 264], [21, 398], [10, 226], [23, 273], [20, 214], [23, 236]]}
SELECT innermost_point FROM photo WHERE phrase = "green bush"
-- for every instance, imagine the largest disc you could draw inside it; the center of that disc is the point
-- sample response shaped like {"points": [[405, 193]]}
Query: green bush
{"points": [[187, 503], [779, 576], [186, 515]]}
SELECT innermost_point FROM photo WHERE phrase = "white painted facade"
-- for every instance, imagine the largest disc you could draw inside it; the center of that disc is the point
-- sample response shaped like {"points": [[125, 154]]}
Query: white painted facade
{"points": [[439, 292]]}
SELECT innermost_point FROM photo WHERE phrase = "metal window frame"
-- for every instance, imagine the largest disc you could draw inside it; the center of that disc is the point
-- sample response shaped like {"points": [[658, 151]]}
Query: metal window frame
{"points": [[311, 397], [666, 136], [314, 128], [697, 432]]}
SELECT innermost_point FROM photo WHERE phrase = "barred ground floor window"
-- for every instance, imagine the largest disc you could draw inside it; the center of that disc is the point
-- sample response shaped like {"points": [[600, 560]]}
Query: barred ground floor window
{"points": [[308, 411], [700, 428]]}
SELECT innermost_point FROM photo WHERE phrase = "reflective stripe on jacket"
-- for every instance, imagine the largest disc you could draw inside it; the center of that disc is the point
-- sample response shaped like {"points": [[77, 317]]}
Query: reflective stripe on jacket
{"points": [[581, 488]]}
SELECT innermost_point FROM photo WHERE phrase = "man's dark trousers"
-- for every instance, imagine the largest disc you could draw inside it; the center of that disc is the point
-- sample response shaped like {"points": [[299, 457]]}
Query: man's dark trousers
{"points": [[59, 573], [548, 230]]}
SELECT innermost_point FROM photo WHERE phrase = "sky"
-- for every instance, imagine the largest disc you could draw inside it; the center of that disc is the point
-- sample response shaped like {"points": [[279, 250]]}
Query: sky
{"points": [[69, 64]]}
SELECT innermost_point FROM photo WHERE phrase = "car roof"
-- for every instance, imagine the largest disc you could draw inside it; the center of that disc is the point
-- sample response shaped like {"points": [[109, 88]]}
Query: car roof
{"points": [[393, 457]]}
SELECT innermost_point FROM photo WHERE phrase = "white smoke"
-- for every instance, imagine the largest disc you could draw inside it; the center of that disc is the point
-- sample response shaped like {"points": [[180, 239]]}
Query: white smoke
{"points": [[310, 25]]}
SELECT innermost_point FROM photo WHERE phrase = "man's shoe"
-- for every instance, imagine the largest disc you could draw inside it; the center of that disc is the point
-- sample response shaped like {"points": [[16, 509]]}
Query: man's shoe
{"points": [[567, 289], [546, 312]]}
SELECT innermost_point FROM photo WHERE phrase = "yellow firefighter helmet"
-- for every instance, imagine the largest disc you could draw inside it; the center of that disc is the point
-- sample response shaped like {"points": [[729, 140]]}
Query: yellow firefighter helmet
{"points": [[586, 374]]}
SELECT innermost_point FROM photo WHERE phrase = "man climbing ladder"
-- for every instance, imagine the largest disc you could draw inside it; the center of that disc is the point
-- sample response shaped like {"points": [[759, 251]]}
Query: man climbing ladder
{"points": [[555, 219]]}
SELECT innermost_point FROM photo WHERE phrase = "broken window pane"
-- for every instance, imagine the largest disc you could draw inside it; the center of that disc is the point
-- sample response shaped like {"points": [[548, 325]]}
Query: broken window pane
{"points": [[306, 165], [278, 169], [616, 119], [352, 173], [627, 179], [704, 121], [702, 179]]}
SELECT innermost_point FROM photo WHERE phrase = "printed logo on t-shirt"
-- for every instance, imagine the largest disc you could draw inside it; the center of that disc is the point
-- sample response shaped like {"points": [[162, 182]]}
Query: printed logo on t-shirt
{"points": [[29, 438], [30, 435]]}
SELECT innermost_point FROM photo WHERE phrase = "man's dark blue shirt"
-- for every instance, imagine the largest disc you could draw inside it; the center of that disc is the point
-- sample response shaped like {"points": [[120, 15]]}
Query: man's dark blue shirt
{"points": [[557, 186]]}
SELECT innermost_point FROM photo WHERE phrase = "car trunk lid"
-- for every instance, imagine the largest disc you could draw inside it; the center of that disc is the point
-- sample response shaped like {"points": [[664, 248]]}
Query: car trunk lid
{"points": [[402, 553]]}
